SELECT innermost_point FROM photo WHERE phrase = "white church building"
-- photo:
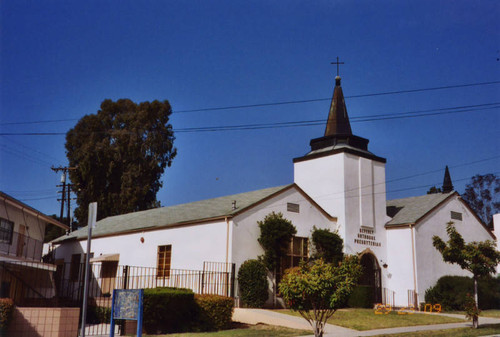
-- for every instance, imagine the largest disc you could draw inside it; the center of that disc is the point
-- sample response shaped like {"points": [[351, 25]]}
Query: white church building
{"points": [[338, 185]]}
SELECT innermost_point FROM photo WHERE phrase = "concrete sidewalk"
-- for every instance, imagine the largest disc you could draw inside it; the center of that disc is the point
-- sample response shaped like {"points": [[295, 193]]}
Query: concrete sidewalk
{"points": [[254, 316]]}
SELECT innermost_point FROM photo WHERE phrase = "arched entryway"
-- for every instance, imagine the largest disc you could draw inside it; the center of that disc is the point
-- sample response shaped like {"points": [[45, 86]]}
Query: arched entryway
{"points": [[371, 275]]}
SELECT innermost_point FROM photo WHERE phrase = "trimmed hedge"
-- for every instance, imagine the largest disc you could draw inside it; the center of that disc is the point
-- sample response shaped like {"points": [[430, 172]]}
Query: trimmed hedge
{"points": [[451, 292], [253, 283], [215, 312], [168, 310], [6, 310], [361, 297]]}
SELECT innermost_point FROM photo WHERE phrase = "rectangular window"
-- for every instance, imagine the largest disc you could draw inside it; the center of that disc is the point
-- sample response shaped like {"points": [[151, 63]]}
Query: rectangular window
{"points": [[291, 207], [74, 268], [6, 231], [456, 216], [297, 252], [164, 258]]}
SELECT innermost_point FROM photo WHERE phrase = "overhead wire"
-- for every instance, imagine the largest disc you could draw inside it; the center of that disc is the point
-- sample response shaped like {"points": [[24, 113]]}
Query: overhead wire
{"points": [[257, 105], [367, 118]]}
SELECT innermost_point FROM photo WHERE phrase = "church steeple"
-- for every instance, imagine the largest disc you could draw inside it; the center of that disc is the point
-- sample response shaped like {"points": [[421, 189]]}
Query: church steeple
{"points": [[447, 184], [338, 120], [338, 137]]}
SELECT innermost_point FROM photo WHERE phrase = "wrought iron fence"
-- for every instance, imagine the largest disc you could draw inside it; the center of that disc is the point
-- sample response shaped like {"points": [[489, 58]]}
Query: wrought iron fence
{"points": [[388, 297], [39, 284], [412, 299]]}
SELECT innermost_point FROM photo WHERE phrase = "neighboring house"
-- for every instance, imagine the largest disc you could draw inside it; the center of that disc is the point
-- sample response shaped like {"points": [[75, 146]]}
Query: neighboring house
{"points": [[339, 184], [23, 275]]}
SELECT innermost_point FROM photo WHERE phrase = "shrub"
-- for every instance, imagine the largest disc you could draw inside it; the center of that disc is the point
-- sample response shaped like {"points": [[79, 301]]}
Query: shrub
{"points": [[253, 284], [328, 245], [6, 309], [168, 310], [97, 315], [215, 312], [451, 292], [361, 297]]}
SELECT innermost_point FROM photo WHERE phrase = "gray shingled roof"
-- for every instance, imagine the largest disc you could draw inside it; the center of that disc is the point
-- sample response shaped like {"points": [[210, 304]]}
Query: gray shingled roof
{"points": [[175, 215], [410, 210]]}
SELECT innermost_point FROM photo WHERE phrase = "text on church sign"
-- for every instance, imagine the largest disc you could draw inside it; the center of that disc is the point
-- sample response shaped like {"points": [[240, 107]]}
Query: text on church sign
{"points": [[367, 237]]}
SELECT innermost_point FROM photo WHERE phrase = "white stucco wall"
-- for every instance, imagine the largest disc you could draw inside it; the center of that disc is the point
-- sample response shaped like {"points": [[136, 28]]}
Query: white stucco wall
{"points": [[246, 230], [323, 180], [353, 189], [496, 229], [430, 264], [191, 246], [399, 275]]}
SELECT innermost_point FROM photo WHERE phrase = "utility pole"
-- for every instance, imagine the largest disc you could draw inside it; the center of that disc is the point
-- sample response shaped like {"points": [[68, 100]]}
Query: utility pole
{"points": [[65, 187]]}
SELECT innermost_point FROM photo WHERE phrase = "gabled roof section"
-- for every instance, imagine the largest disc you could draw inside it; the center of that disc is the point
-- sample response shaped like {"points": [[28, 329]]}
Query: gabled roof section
{"points": [[183, 214], [4, 197], [408, 211]]}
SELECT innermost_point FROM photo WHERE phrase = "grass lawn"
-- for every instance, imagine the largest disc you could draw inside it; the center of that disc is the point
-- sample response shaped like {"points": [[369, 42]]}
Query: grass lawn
{"points": [[366, 319], [244, 330], [486, 330], [495, 313]]}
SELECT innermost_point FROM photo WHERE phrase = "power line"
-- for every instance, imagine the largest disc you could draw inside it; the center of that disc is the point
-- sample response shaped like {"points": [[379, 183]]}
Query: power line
{"points": [[368, 118], [257, 105]]}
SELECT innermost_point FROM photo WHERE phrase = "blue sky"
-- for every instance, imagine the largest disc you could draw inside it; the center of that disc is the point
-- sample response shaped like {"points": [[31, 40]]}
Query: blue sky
{"points": [[60, 59]]}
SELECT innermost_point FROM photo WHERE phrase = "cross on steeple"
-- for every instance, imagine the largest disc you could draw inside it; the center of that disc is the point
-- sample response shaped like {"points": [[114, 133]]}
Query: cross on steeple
{"points": [[337, 63]]}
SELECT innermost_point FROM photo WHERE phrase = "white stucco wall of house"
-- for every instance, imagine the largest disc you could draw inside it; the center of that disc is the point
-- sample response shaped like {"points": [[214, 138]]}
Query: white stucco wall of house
{"points": [[191, 246], [430, 264], [323, 180], [245, 231], [400, 264]]}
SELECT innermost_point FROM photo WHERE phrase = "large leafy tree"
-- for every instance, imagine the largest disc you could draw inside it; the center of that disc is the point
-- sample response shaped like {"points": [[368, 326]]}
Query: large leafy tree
{"points": [[120, 154], [483, 196], [276, 233], [480, 258], [316, 290]]}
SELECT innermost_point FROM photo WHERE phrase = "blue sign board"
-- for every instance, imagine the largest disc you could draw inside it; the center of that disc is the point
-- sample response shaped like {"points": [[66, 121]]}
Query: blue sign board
{"points": [[127, 304]]}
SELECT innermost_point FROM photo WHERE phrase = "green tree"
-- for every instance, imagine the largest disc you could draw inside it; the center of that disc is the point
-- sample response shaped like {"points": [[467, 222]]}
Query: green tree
{"points": [[276, 233], [318, 289], [483, 196], [434, 190], [120, 154], [328, 245], [479, 258]]}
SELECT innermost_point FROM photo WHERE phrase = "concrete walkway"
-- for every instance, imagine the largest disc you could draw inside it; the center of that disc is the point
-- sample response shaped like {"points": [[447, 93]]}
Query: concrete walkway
{"points": [[254, 316]]}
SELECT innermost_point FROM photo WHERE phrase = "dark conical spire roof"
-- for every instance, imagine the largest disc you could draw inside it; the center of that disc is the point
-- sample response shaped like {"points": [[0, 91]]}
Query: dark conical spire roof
{"points": [[447, 184], [338, 134], [338, 120]]}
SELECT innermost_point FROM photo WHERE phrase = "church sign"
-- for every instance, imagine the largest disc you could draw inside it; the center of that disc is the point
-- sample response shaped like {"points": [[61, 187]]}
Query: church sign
{"points": [[127, 304], [367, 237]]}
